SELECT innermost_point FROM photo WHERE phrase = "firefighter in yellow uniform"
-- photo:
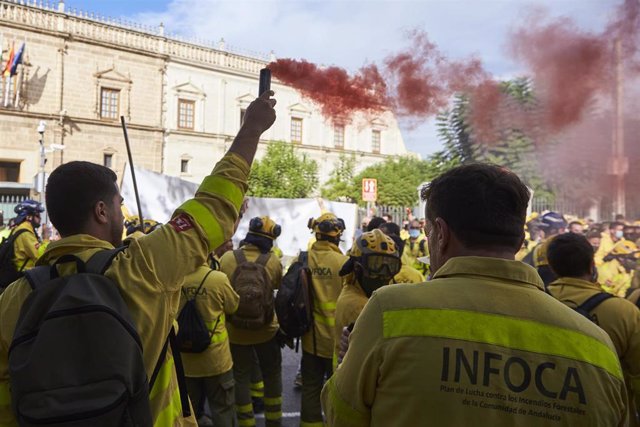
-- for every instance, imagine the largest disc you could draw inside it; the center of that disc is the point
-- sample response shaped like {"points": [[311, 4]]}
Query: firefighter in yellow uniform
{"points": [[482, 343], [616, 272], [150, 272], [553, 224], [209, 373], [325, 261], [374, 260], [572, 258], [407, 273], [416, 247], [247, 344], [27, 245]]}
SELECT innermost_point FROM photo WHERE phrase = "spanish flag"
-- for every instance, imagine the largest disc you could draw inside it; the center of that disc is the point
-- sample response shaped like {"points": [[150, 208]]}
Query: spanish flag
{"points": [[7, 68]]}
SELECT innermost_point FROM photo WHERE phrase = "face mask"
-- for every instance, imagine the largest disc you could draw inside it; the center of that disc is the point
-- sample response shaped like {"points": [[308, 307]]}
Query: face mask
{"points": [[369, 285], [413, 233], [619, 234]]}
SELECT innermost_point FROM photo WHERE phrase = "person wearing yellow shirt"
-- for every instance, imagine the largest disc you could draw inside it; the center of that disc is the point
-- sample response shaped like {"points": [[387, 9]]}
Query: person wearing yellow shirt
{"points": [[373, 262], [416, 247], [325, 259], [27, 245], [553, 224], [261, 341], [482, 343], [84, 204], [407, 273], [571, 257], [616, 272], [209, 373]]}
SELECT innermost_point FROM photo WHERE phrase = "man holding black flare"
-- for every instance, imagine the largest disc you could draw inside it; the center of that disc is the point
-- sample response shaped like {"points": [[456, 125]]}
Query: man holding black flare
{"points": [[84, 204]]}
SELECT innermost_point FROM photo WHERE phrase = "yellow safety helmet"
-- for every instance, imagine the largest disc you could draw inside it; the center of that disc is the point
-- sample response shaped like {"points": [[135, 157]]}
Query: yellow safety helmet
{"points": [[327, 224], [377, 253], [374, 242], [264, 226], [625, 247]]}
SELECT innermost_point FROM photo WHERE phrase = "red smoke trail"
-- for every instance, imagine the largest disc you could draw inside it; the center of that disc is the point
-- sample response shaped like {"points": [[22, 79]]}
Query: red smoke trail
{"points": [[338, 94], [414, 83]]}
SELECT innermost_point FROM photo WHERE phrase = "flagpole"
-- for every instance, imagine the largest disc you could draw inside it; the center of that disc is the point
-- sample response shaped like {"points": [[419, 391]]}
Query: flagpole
{"points": [[6, 90], [19, 77]]}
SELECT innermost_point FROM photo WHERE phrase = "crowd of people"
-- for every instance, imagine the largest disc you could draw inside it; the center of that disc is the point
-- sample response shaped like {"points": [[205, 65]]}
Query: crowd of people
{"points": [[475, 314]]}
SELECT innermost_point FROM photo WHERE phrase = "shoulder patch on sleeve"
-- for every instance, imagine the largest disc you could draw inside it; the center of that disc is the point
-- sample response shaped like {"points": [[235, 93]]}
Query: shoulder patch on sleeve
{"points": [[181, 223]]}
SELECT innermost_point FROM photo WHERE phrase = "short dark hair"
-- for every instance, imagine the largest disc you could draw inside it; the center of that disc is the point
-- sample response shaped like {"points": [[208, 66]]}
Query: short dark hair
{"points": [[390, 228], [375, 222], [485, 205], [73, 190], [570, 255]]}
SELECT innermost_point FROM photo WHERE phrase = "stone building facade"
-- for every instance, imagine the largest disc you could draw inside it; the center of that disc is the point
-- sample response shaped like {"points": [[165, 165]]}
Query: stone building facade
{"points": [[183, 101]]}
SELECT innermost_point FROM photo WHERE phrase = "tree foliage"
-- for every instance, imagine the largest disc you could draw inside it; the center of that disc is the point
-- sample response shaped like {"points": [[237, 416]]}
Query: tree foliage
{"points": [[513, 148], [282, 173], [341, 186]]}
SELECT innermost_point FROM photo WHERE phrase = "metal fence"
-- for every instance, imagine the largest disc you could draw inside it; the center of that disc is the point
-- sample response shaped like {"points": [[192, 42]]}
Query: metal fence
{"points": [[8, 202]]}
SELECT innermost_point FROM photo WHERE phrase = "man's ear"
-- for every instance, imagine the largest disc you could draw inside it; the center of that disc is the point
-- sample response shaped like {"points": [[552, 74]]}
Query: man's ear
{"points": [[100, 212], [443, 233]]}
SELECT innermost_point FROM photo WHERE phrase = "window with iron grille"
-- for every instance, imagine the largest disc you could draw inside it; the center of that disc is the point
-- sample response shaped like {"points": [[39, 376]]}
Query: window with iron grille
{"points": [[296, 130], [375, 141], [109, 103], [338, 136], [186, 110]]}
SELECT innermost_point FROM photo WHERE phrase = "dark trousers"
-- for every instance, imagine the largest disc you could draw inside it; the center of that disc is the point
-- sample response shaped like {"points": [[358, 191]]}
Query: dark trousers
{"points": [[270, 360], [219, 391], [314, 371]]}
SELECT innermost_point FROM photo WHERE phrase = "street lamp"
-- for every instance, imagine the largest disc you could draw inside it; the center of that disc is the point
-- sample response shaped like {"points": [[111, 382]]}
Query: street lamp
{"points": [[43, 158]]}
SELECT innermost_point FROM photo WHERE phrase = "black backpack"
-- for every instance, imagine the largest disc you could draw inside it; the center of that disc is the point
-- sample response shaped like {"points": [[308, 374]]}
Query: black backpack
{"points": [[8, 271], [590, 304], [294, 301], [193, 335], [76, 357]]}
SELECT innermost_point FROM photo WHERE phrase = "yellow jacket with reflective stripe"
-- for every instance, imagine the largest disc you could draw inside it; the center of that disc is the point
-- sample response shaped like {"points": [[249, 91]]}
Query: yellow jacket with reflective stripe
{"points": [[215, 299], [614, 278], [350, 303], [274, 269], [26, 249], [620, 319], [482, 343], [408, 274], [325, 262], [412, 251], [149, 274], [540, 252]]}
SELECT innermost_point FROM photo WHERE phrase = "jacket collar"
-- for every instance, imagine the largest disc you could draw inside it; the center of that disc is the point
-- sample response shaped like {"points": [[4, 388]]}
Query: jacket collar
{"points": [[495, 268], [71, 245], [323, 245], [578, 283]]}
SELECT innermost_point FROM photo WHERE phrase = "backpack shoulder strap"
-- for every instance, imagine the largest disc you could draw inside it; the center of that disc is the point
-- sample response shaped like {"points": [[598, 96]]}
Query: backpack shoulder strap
{"points": [[15, 234], [201, 283], [240, 256], [590, 304], [263, 259], [304, 258], [101, 260], [37, 276]]}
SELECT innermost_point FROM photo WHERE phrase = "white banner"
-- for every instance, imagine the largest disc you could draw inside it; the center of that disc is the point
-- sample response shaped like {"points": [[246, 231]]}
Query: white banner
{"points": [[161, 194]]}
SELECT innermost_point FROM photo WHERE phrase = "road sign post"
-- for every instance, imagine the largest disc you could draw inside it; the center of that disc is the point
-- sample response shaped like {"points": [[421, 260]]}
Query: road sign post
{"points": [[369, 189]]}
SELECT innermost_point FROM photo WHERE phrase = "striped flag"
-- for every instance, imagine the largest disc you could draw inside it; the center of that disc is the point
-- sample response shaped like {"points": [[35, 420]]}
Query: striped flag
{"points": [[7, 68], [17, 59]]}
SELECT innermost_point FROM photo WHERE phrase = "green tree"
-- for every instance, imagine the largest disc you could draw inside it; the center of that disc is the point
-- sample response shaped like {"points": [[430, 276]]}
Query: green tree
{"points": [[282, 173], [398, 180], [513, 148], [340, 186]]}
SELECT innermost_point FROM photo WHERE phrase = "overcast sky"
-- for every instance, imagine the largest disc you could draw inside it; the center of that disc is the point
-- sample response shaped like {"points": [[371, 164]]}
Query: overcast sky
{"points": [[350, 33]]}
